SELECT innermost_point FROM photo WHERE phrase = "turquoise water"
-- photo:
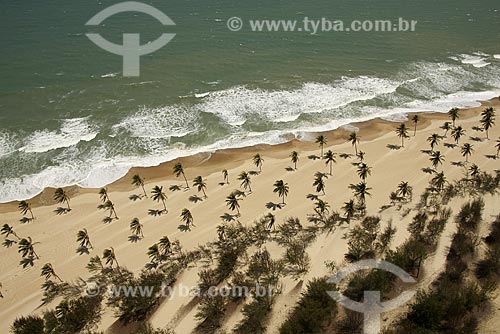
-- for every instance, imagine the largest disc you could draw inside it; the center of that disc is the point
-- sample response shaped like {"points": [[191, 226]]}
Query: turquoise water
{"points": [[67, 116]]}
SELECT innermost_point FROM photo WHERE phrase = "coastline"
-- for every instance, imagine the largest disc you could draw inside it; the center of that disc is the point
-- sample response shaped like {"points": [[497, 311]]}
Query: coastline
{"points": [[211, 162]]}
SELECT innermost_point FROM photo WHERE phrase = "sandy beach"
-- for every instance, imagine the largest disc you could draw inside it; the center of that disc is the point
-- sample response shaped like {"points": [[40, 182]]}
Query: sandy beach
{"points": [[56, 234]]}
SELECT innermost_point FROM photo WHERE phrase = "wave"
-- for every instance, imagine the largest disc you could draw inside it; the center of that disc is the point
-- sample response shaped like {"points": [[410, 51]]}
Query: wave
{"points": [[8, 143]]}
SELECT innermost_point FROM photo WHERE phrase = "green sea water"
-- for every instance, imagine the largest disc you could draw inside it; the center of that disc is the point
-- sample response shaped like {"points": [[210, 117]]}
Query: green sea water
{"points": [[68, 116]]}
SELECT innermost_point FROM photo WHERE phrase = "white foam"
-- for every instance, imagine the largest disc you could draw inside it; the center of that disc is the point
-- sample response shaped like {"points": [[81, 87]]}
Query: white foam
{"points": [[109, 75], [496, 56], [235, 106], [7, 143], [201, 95], [165, 122], [72, 131], [477, 60]]}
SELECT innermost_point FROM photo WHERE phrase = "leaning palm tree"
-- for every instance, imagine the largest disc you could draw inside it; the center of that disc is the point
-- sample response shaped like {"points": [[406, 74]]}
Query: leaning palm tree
{"points": [[83, 238], [232, 202], [258, 161], [25, 207], [294, 156], [154, 254], [438, 182], [404, 190], [48, 272], [281, 188], [319, 184], [109, 206], [433, 140], [165, 245], [329, 159], [436, 159], [360, 190], [321, 141], [26, 248], [457, 133], [349, 209], [138, 181], [8, 230], [62, 197], [246, 183], [136, 228], [466, 151], [200, 184], [271, 220], [446, 127], [497, 146], [178, 171], [402, 132], [454, 114], [158, 195], [225, 175], [364, 171], [110, 257], [354, 140], [488, 120], [415, 120], [187, 218], [103, 194]]}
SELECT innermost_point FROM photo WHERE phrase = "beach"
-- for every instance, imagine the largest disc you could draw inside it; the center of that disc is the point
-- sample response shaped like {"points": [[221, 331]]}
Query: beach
{"points": [[56, 234]]}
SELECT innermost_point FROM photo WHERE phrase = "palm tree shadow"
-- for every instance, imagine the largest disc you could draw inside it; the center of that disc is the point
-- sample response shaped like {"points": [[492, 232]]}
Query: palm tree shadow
{"points": [[346, 155], [289, 169], [393, 147], [478, 139], [7, 243], [195, 199], [313, 157], [477, 128], [61, 211], [457, 163], [253, 172], [184, 228], [384, 207], [227, 217], [26, 220], [428, 170], [107, 220], [491, 156], [222, 184], [239, 193], [82, 250], [156, 213], [134, 238], [312, 197], [174, 187], [274, 206], [450, 145], [135, 197], [428, 152]]}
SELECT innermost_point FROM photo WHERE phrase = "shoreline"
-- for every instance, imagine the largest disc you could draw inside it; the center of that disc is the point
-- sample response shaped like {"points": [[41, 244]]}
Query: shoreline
{"points": [[209, 161]]}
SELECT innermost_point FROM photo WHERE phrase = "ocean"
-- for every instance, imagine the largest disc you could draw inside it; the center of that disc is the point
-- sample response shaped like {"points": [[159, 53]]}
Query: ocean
{"points": [[68, 116]]}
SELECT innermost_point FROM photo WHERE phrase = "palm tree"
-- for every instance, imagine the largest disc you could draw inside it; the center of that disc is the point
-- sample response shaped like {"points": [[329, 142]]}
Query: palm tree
{"points": [[364, 171], [244, 177], [48, 271], [221, 232], [202, 185], [138, 181], [103, 194], [349, 209], [109, 206], [232, 202], [295, 158], [404, 189], [321, 140], [354, 140], [457, 133], [446, 127], [497, 146], [361, 156], [158, 195], [329, 159], [165, 245], [319, 184], [8, 230], [488, 120], [83, 238], [62, 197], [26, 248], [436, 159], [433, 140], [258, 161], [360, 190], [25, 207], [321, 207], [454, 114], [467, 151], [439, 181], [154, 254], [187, 217], [178, 171], [110, 257], [415, 120], [281, 188], [474, 171], [402, 132], [136, 227], [225, 174]]}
